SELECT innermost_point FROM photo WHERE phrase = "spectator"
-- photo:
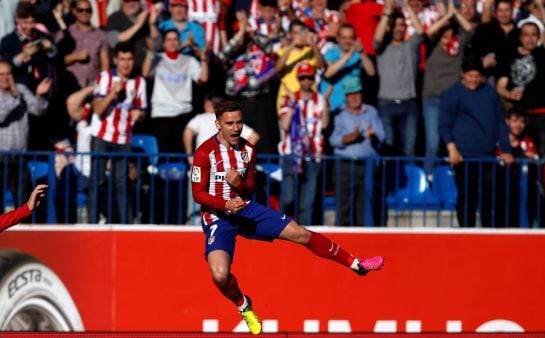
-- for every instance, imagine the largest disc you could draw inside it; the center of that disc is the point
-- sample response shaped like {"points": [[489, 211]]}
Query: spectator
{"points": [[468, 9], [191, 33], [536, 15], [119, 101], [344, 60], [16, 103], [302, 117], [357, 132], [173, 74], [523, 79], [208, 13], [397, 60], [287, 12], [31, 52], [249, 69], [523, 147], [79, 109], [425, 12], [102, 10], [364, 16], [496, 37], [471, 124], [89, 53], [268, 22], [443, 67], [130, 24], [323, 22], [302, 47]]}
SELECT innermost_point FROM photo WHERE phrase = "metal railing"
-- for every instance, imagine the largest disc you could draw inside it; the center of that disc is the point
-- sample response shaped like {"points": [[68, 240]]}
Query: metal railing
{"points": [[382, 191]]}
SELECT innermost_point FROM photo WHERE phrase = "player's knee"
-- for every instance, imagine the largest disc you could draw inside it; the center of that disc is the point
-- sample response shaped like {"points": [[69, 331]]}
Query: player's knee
{"points": [[296, 233], [304, 235], [220, 276]]}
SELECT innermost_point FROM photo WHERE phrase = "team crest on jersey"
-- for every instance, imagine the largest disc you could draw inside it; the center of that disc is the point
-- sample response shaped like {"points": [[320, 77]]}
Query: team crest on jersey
{"points": [[196, 174], [245, 157]]}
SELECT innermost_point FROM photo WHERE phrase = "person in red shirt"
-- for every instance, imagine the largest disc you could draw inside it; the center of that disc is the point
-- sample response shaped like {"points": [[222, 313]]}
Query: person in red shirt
{"points": [[223, 181], [13, 217]]}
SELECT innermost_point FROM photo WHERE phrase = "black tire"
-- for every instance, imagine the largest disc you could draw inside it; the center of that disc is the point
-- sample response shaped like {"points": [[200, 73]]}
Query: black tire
{"points": [[32, 297]]}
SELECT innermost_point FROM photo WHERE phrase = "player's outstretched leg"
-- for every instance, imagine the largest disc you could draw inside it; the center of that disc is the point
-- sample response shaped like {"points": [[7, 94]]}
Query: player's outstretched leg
{"points": [[324, 247]]}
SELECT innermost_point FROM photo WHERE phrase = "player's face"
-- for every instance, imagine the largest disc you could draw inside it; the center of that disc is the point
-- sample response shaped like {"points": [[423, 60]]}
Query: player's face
{"points": [[229, 126], [516, 124]]}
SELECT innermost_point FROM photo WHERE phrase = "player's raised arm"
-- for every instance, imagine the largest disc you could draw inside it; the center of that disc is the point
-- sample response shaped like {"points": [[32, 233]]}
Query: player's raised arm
{"points": [[13, 217]]}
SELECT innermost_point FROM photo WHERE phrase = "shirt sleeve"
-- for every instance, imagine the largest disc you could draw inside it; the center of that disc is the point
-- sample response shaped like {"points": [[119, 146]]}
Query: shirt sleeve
{"points": [[194, 69], [339, 130], [35, 105], [200, 181], [377, 126], [141, 101], [13, 217], [101, 85]]}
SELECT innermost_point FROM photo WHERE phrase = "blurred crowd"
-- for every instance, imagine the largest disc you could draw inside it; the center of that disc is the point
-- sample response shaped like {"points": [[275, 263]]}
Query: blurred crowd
{"points": [[354, 78]]}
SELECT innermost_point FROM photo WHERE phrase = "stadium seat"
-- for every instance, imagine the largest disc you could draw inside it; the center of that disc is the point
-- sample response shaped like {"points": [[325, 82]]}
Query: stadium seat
{"points": [[38, 169], [416, 194], [272, 170], [172, 171], [167, 171], [444, 187], [148, 144]]}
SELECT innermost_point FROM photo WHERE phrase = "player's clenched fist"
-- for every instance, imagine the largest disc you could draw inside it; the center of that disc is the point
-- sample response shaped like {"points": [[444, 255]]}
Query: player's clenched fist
{"points": [[233, 178], [235, 205]]}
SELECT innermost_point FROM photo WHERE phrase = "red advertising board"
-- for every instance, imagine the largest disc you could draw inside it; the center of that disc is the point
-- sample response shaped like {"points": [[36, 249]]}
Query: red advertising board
{"points": [[156, 279]]}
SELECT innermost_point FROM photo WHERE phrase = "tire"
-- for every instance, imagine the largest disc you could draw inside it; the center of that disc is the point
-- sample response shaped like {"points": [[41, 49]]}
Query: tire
{"points": [[32, 297]]}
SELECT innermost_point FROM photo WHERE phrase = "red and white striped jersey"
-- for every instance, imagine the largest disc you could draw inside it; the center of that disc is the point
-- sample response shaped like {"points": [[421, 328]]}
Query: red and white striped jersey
{"points": [[427, 17], [259, 25], [311, 113], [115, 125], [206, 12], [211, 162]]}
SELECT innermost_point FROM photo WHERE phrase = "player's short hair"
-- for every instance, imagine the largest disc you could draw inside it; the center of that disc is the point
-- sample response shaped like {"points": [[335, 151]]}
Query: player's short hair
{"points": [[226, 106]]}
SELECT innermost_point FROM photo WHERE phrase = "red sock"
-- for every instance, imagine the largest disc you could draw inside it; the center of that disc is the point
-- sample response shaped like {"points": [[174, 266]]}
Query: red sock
{"points": [[231, 290], [324, 247]]}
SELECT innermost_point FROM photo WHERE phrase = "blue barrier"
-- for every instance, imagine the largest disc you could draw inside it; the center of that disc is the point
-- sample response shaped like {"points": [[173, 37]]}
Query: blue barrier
{"points": [[394, 190]]}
